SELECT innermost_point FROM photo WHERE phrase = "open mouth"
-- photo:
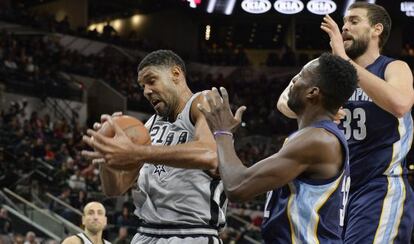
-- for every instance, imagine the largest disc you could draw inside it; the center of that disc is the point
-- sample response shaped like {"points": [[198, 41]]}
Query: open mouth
{"points": [[347, 37], [154, 102]]}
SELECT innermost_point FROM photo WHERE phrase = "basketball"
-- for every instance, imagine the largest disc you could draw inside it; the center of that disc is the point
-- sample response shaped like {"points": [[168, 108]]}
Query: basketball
{"points": [[133, 128]]}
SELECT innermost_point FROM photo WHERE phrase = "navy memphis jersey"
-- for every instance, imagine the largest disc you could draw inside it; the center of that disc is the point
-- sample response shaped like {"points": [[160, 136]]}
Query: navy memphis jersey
{"points": [[306, 210], [378, 141]]}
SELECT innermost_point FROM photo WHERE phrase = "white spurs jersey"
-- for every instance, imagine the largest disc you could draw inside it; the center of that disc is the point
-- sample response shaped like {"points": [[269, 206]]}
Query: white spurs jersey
{"points": [[86, 240], [177, 201]]}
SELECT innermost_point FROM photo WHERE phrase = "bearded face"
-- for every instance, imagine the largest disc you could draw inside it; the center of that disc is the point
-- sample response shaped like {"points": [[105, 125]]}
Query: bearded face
{"points": [[356, 46]]}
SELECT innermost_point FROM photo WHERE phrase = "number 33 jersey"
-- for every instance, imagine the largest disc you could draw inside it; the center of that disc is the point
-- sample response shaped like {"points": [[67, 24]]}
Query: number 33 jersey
{"points": [[378, 141]]}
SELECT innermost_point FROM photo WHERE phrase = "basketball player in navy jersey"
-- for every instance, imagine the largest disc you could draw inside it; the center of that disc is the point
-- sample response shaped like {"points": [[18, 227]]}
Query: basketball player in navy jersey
{"points": [[378, 127], [179, 199], [308, 179]]}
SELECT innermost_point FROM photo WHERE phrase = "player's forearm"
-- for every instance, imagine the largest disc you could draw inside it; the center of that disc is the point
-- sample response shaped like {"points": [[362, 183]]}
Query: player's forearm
{"points": [[232, 171], [116, 182], [192, 155], [383, 94]]}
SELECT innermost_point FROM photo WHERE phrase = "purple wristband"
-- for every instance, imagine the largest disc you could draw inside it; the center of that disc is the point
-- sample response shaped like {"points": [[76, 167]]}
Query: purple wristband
{"points": [[222, 132]]}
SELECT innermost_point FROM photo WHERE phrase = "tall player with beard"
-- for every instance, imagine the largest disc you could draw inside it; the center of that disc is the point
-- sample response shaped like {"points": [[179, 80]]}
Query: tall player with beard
{"points": [[378, 126]]}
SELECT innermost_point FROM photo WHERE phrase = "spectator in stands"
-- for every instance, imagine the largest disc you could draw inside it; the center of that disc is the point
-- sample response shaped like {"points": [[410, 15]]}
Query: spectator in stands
{"points": [[65, 197], [122, 236], [18, 239], [108, 30], [63, 25], [125, 218], [10, 63], [80, 200], [5, 227], [30, 238], [77, 181]]}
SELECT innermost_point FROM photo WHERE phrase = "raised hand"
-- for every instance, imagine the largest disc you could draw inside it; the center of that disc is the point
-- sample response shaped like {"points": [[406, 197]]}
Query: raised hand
{"points": [[337, 44], [219, 115]]}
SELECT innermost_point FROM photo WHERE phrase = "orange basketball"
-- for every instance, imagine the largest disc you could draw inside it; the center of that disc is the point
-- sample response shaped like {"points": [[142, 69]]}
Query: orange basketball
{"points": [[133, 128]]}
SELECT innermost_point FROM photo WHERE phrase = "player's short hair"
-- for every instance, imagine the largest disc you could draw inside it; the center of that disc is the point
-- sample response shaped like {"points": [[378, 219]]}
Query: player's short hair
{"points": [[162, 58], [336, 78], [376, 15]]}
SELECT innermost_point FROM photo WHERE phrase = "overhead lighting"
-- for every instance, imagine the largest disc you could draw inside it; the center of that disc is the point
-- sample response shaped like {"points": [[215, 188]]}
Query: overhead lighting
{"points": [[92, 27], [117, 24], [230, 7], [208, 32], [211, 5], [136, 19], [411, 166]]}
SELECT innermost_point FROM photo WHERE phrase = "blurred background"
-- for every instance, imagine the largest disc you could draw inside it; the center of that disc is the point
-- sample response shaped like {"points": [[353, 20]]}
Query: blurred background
{"points": [[63, 63]]}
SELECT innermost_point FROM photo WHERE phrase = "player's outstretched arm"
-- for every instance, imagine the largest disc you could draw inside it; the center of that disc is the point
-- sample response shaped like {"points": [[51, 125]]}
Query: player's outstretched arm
{"points": [[309, 149]]}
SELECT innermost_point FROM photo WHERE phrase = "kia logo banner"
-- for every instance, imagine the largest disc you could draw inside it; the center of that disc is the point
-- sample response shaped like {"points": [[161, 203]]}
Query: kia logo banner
{"points": [[288, 6], [256, 6], [321, 7], [408, 8]]}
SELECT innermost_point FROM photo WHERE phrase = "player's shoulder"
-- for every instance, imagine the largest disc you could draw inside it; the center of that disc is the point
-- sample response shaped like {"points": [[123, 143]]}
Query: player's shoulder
{"points": [[397, 65], [72, 240], [312, 145], [316, 136], [194, 111], [313, 140]]}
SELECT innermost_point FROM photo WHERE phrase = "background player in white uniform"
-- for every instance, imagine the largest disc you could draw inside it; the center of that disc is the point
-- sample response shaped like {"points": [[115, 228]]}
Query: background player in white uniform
{"points": [[94, 220], [178, 198]]}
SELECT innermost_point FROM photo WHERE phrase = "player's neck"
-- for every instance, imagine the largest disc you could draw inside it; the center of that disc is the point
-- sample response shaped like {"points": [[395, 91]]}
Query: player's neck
{"points": [[368, 57], [182, 101], [95, 238], [313, 115]]}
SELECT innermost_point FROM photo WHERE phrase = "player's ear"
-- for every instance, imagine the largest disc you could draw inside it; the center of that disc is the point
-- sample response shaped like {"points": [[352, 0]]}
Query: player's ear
{"points": [[312, 92], [176, 72], [378, 28]]}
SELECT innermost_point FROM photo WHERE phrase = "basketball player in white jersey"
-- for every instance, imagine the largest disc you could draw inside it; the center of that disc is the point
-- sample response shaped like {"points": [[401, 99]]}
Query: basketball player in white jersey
{"points": [[94, 220], [179, 200]]}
